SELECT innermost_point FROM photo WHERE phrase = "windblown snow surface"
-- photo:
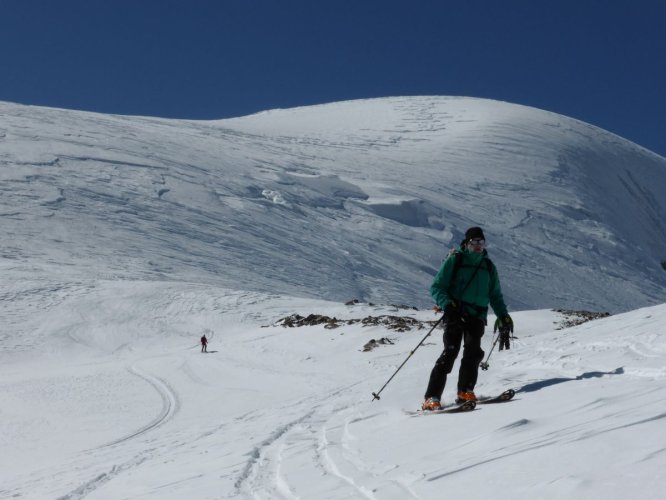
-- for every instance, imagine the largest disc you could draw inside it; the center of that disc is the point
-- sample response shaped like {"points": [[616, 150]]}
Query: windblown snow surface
{"points": [[126, 238], [349, 200]]}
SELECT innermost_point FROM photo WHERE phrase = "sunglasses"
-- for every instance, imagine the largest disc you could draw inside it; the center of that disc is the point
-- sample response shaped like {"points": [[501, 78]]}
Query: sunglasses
{"points": [[477, 242]]}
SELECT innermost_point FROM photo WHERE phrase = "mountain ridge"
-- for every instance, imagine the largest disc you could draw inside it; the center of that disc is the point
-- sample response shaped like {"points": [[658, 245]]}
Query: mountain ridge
{"points": [[358, 199]]}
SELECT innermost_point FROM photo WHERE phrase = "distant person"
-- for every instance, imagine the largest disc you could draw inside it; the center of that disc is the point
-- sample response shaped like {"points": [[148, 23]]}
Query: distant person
{"points": [[464, 286], [204, 343]]}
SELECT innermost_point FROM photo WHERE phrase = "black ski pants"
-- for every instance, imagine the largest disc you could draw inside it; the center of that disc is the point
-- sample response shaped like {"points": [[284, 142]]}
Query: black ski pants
{"points": [[457, 331]]}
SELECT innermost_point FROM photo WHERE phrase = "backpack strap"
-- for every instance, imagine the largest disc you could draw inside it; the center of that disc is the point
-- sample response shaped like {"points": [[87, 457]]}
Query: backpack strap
{"points": [[458, 264], [489, 265]]}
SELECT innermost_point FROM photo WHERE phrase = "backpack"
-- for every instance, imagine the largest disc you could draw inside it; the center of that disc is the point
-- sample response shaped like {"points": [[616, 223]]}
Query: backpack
{"points": [[458, 264]]}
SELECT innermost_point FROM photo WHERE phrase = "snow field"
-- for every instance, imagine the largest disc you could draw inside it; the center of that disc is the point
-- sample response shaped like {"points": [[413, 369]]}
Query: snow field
{"points": [[274, 412]]}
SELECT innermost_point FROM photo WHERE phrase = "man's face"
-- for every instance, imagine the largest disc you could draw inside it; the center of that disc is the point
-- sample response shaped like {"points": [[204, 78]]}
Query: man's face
{"points": [[476, 245]]}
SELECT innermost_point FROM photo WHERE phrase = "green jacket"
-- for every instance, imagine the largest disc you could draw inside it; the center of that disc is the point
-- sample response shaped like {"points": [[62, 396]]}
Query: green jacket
{"points": [[483, 289]]}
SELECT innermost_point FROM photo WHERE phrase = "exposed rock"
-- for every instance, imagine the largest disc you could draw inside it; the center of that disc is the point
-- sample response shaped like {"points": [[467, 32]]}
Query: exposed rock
{"points": [[574, 318], [312, 319], [354, 302], [372, 343], [397, 323], [403, 306]]}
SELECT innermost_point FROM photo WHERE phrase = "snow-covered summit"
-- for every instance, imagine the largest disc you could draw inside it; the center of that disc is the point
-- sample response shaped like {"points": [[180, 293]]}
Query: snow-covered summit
{"points": [[357, 199]]}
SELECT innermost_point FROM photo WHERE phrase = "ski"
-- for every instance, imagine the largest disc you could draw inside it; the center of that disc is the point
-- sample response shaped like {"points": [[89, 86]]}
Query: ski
{"points": [[466, 406], [505, 396]]}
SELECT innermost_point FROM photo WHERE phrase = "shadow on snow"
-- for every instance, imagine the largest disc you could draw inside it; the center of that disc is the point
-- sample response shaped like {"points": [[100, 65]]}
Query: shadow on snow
{"points": [[536, 386]]}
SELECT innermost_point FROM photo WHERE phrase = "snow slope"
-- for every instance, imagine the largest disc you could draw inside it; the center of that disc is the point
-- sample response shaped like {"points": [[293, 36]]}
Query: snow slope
{"points": [[347, 200], [113, 399], [126, 238]]}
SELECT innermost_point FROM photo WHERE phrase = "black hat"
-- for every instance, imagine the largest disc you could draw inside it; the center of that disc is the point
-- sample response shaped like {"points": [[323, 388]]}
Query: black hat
{"points": [[474, 232]]}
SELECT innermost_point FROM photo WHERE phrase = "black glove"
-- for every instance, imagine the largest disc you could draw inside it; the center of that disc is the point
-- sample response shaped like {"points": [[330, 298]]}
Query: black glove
{"points": [[504, 324]]}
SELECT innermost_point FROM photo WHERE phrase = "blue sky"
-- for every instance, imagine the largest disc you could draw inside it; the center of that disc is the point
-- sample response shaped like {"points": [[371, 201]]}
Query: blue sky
{"points": [[601, 61]]}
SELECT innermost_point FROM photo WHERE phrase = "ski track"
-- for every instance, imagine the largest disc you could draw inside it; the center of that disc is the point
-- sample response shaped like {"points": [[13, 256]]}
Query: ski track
{"points": [[170, 406], [88, 487], [332, 458], [318, 444], [258, 456], [339, 456]]}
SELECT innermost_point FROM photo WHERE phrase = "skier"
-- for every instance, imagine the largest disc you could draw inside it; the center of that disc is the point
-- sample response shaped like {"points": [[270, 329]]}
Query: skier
{"points": [[204, 343], [464, 286]]}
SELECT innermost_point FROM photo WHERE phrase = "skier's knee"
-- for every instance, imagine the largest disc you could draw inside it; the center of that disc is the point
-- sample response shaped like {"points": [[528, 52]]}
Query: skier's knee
{"points": [[446, 360]]}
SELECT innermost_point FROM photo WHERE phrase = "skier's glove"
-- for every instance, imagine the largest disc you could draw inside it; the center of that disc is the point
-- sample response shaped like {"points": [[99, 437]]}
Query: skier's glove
{"points": [[504, 324], [451, 310]]}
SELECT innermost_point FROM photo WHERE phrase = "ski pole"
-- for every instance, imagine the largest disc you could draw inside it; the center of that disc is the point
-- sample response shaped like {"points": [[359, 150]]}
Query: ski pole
{"points": [[484, 365], [376, 394]]}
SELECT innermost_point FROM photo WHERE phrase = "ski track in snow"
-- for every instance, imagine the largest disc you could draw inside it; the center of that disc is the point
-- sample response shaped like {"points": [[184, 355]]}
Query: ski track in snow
{"points": [[318, 444], [251, 479], [267, 470], [170, 404], [340, 457]]}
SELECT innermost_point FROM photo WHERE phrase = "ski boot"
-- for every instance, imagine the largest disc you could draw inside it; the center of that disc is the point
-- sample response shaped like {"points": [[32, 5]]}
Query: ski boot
{"points": [[465, 396], [431, 404]]}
